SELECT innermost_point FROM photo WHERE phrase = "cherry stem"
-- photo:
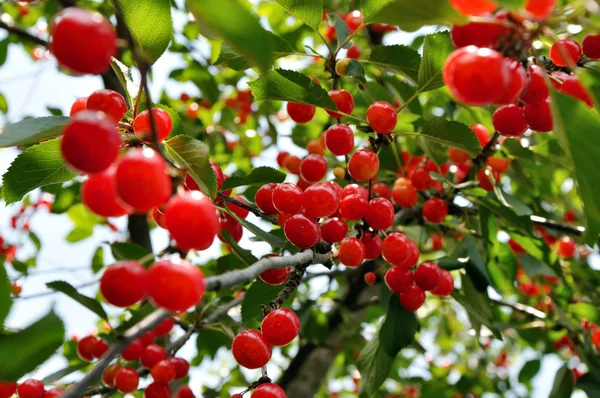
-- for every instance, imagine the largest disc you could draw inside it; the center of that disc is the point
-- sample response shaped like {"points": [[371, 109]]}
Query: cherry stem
{"points": [[251, 209], [487, 150]]}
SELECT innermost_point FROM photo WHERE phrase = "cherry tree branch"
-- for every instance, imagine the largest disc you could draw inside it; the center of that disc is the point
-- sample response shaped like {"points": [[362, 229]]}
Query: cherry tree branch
{"points": [[23, 34], [289, 288], [251, 209]]}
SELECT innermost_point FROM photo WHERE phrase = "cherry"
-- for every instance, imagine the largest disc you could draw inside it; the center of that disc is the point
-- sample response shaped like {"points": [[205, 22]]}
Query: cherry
{"points": [[372, 246], [142, 126], [281, 158], [79, 105], [280, 327], [192, 220], [157, 390], [344, 102], [352, 189], [457, 156], [482, 133], [251, 349], [108, 101], [334, 230], [484, 180], [147, 338], [398, 249], [445, 286], [90, 142], [380, 214], [51, 393], [539, 117], [596, 337], [370, 278], [85, 347], [175, 284], [275, 277], [182, 367], [474, 7], [185, 392], [591, 46], [567, 247], [509, 120], [100, 348], [232, 226], [320, 200], [164, 327], [237, 396], [399, 279], [163, 371], [108, 376], [565, 52], [354, 52], [573, 87], [300, 113], [497, 164], [302, 231], [428, 276], [313, 168], [339, 139], [7, 388], [268, 390], [540, 9], [382, 117], [354, 19], [537, 90], [363, 165], [122, 294], [479, 34], [351, 252], [354, 207], [435, 210], [31, 388], [569, 216], [382, 190], [220, 177], [152, 355], [292, 164], [99, 194], [83, 41], [437, 241], [421, 179], [126, 380], [264, 198], [133, 351], [412, 299], [405, 195], [516, 84], [237, 210], [476, 76]]}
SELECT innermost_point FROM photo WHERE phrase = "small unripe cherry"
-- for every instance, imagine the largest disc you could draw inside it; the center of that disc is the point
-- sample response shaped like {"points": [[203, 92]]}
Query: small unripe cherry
{"points": [[126, 380], [142, 125], [370, 278], [339, 173], [435, 210], [351, 252], [280, 327], [251, 349], [382, 117], [412, 299], [428, 276], [399, 279], [339, 140], [341, 66], [175, 284], [343, 101], [315, 147], [31, 388], [300, 113], [192, 220], [99, 194], [163, 371], [108, 101], [445, 286], [363, 165], [302, 231], [122, 294]]}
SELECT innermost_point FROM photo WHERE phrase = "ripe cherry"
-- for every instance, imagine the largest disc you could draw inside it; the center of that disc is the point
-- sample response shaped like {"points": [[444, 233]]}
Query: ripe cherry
{"points": [[351, 252], [516, 84], [485, 181], [264, 198], [275, 277], [354, 52], [435, 210], [334, 230], [313, 168], [31, 388], [537, 90], [147, 338], [85, 347], [370, 278], [99, 194], [51, 393], [457, 156], [591, 46], [79, 105], [497, 164], [382, 190], [572, 86], [108, 101], [399, 279], [157, 390], [509, 120], [126, 380], [292, 164], [421, 179], [239, 211], [302, 231], [268, 390], [482, 133], [281, 158], [354, 207], [539, 116], [354, 19], [474, 7], [232, 226], [437, 241], [280, 327], [565, 52], [251, 349], [412, 299], [567, 247], [315, 147], [83, 41], [540, 9], [372, 246], [122, 294], [142, 126], [352, 189], [175, 284], [445, 286], [133, 351], [163, 371], [320, 200], [7, 388], [108, 376], [185, 392], [398, 249], [192, 220], [90, 142], [382, 117], [380, 214], [182, 367], [100, 348], [344, 103], [300, 113], [405, 195], [596, 337], [164, 327], [428, 276], [339, 139], [363, 165], [152, 355], [479, 34]]}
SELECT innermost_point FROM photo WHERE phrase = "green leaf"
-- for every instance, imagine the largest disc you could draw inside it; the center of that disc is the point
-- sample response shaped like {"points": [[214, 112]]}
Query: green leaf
{"points": [[4, 50], [398, 329], [287, 85], [131, 251], [150, 24], [520, 208], [341, 29], [98, 260], [65, 198], [258, 294], [32, 130], [245, 255], [3, 106], [125, 77], [374, 366], [5, 298], [234, 23], [30, 347], [585, 311], [590, 385], [563, 383], [274, 241], [37, 166], [258, 176], [411, 15], [177, 128], [231, 58], [529, 370], [56, 376], [436, 49], [89, 303], [454, 134], [355, 69], [192, 155], [209, 341], [308, 11], [572, 123], [396, 58], [84, 221], [534, 267], [477, 306]]}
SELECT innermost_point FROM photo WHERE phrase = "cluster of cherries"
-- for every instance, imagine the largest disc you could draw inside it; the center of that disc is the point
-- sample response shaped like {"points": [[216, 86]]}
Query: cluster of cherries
{"points": [[30, 388]]}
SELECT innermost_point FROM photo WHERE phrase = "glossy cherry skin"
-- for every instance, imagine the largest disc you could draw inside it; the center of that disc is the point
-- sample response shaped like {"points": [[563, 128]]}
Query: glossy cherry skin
{"points": [[91, 142], [7, 388], [591, 46], [31, 388], [232, 226], [264, 198], [412, 299], [251, 349], [108, 376], [446, 284], [269, 390], [122, 294], [300, 113], [474, 7], [239, 211], [567, 247], [126, 380], [276, 276], [313, 168], [185, 392], [516, 84], [479, 34], [565, 52], [537, 90], [370, 278], [142, 126], [484, 180], [354, 207], [334, 230], [354, 189], [79, 105], [372, 247], [540, 9], [83, 41], [320, 200], [405, 195], [164, 327], [351, 252], [85, 347], [108, 101], [509, 120], [380, 214], [482, 133], [399, 279], [175, 285], [133, 351], [363, 165], [421, 179], [99, 194], [157, 390], [339, 139], [302, 231], [382, 117], [53, 393], [280, 327], [573, 87], [354, 19], [344, 102], [435, 210], [192, 220], [428, 276], [497, 164], [163, 371], [152, 355], [382, 190], [398, 249], [182, 367], [100, 348], [539, 117]]}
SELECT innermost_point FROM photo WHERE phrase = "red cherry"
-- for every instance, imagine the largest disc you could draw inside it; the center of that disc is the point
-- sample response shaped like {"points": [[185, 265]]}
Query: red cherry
{"points": [[339, 139], [565, 52], [446, 285], [351, 252], [292, 164], [428, 276], [596, 337], [232, 226], [412, 299], [313, 168], [99, 194], [79, 105], [152, 355], [497, 164], [164, 327], [334, 230], [457, 156], [7, 389], [569, 216], [268, 390], [281, 158], [354, 189], [516, 85], [591, 46], [31, 388], [482, 133], [354, 19], [239, 211], [182, 367], [100, 348], [314, 148], [147, 338], [537, 90], [567, 247], [108, 376], [363, 165], [399, 279], [354, 207], [343, 101], [382, 190], [405, 195], [90, 142], [264, 198], [354, 52], [484, 180], [85, 347], [280, 327], [163, 371], [398, 249], [435, 210], [142, 127], [126, 380], [421, 179], [192, 220], [108, 101], [573, 87], [300, 113], [372, 247], [175, 285], [251, 349], [479, 34], [380, 214], [437, 241], [122, 294], [540, 9], [539, 117], [275, 277], [185, 392], [83, 41], [302, 231], [509, 121], [382, 117], [157, 390], [51, 393], [474, 7], [370, 278], [320, 200], [133, 351]]}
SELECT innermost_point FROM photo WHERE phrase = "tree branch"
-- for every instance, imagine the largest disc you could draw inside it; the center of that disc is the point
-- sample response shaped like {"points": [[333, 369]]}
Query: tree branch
{"points": [[551, 224], [525, 309], [289, 288], [487, 151], [23, 34], [251, 209]]}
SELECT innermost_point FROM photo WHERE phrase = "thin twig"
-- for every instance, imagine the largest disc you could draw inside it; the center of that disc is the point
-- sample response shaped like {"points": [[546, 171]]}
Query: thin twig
{"points": [[51, 292], [289, 288], [23, 34], [487, 151], [251, 209], [551, 224], [521, 308]]}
